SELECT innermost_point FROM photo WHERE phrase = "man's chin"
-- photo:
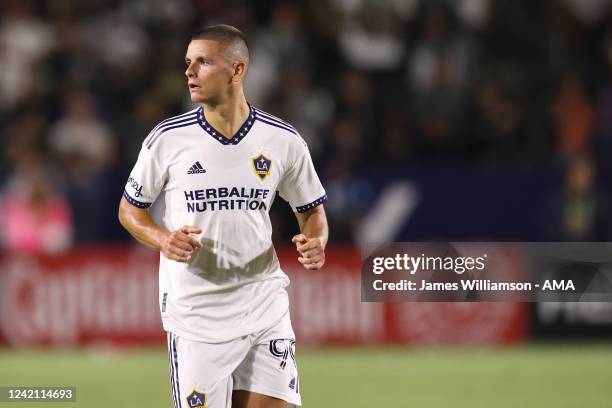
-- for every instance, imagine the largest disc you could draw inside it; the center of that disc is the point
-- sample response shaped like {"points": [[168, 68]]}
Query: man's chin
{"points": [[196, 99]]}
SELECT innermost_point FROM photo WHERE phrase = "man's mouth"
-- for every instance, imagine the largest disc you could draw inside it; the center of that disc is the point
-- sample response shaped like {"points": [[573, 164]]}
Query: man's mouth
{"points": [[193, 86]]}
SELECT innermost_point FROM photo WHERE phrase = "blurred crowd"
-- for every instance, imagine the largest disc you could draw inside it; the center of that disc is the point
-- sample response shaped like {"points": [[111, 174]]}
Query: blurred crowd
{"points": [[369, 83]]}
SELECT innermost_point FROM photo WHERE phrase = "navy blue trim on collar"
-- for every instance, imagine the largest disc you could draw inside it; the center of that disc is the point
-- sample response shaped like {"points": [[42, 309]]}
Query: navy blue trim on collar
{"points": [[310, 206], [218, 136]]}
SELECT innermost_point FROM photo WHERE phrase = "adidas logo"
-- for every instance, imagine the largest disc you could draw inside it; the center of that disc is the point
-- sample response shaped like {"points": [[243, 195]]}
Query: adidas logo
{"points": [[196, 169]]}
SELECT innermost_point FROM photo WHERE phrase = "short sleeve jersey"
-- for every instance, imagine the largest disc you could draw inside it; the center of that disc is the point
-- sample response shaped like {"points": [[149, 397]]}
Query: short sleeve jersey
{"points": [[233, 285]]}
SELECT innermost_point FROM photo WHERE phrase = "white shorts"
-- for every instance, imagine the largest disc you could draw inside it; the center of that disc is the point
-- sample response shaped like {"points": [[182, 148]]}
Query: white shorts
{"points": [[203, 375]]}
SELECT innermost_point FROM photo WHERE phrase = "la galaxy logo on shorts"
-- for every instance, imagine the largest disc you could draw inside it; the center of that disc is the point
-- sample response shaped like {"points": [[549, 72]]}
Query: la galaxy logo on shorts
{"points": [[262, 166], [196, 399]]}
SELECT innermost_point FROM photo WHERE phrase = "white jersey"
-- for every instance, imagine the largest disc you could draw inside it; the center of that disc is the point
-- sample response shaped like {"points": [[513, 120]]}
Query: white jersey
{"points": [[233, 286]]}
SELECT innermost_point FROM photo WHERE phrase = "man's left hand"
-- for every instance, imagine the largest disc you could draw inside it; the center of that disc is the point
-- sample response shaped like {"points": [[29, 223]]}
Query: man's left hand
{"points": [[312, 253]]}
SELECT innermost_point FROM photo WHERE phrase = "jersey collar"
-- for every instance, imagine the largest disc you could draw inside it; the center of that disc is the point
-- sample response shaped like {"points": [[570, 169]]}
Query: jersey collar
{"points": [[218, 136]]}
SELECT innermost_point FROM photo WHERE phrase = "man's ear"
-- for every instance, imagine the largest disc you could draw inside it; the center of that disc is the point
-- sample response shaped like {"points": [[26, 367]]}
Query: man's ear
{"points": [[239, 71]]}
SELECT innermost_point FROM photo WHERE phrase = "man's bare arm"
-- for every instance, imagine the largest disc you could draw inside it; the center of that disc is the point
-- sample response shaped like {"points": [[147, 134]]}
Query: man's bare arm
{"points": [[176, 245], [312, 241]]}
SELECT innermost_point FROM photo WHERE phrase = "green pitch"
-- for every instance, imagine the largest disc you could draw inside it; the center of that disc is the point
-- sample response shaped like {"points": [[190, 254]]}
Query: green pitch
{"points": [[535, 376]]}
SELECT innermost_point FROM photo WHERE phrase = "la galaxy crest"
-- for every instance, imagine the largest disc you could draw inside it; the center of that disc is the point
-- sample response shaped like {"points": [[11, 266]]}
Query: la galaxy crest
{"points": [[196, 399], [262, 165]]}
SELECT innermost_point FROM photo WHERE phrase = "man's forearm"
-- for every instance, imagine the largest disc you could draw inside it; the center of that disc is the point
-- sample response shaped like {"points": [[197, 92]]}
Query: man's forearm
{"points": [[176, 245], [313, 224], [139, 223]]}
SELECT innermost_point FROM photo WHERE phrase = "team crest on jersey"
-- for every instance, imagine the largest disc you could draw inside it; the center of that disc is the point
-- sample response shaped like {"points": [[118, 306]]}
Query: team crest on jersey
{"points": [[262, 166], [196, 399]]}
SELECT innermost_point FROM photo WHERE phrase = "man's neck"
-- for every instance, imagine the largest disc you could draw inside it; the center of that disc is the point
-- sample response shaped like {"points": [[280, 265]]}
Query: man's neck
{"points": [[227, 117]]}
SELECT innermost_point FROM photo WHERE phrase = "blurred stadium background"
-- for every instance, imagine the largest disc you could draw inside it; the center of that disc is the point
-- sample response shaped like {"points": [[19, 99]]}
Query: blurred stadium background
{"points": [[427, 119]]}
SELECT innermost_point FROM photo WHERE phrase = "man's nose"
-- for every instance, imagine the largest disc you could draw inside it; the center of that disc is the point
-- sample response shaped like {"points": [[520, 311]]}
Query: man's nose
{"points": [[189, 72]]}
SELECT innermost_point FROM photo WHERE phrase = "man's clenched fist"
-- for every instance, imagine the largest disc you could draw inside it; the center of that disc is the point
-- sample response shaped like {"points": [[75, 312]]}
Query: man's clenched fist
{"points": [[312, 253], [179, 246]]}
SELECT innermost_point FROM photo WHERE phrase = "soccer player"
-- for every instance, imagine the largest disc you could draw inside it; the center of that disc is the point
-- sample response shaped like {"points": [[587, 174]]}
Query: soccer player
{"points": [[215, 171]]}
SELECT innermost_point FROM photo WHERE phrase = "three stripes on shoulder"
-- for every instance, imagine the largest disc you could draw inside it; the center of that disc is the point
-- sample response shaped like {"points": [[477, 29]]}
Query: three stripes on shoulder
{"points": [[186, 119]]}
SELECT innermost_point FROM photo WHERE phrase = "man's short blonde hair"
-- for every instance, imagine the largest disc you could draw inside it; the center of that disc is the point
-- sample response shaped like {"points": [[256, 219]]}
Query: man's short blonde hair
{"points": [[229, 36]]}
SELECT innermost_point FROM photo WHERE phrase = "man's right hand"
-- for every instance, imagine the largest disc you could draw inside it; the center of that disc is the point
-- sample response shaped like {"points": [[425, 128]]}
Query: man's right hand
{"points": [[178, 245]]}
